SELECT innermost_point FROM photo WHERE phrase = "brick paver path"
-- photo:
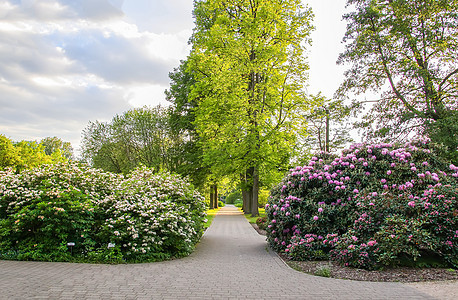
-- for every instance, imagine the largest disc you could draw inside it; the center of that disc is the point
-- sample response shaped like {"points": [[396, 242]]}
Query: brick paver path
{"points": [[231, 262]]}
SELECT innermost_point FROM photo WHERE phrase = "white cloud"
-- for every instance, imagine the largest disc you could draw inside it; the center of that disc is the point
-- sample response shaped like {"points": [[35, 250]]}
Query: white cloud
{"points": [[38, 10], [168, 46], [148, 95], [58, 10], [64, 63], [165, 16]]}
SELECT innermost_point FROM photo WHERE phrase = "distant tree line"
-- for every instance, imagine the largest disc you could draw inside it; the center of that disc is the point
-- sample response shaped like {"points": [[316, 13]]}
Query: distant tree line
{"points": [[28, 154], [149, 136]]}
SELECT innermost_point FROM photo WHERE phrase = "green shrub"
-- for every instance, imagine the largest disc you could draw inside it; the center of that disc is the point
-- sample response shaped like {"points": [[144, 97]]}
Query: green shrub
{"points": [[238, 203], [233, 197], [43, 209], [145, 216], [386, 204], [262, 198], [221, 204], [154, 213], [262, 222], [311, 247]]}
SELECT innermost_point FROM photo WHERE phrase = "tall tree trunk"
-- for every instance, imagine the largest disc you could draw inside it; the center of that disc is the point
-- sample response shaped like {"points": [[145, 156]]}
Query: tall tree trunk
{"points": [[211, 197], [243, 189], [249, 190], [326, 148], [244, 199], [215, 195], [249, 201], [255, 195]]}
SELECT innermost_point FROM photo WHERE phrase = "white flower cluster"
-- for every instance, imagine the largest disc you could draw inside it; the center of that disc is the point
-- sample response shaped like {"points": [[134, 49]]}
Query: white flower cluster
{"points": [[144, 213]]}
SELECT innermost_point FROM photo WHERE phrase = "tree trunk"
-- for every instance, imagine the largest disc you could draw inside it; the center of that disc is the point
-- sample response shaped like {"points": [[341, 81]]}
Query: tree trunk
{"points": [[211, 197], [247, 190], [249, 201], [215, 195], [243, 189], [326, 147], [244, 199], [249, 185], [255, 195]]}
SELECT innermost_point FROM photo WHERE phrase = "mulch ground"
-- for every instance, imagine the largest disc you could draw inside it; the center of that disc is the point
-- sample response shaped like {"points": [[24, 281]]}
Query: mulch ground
{"points": [[387, 275]]}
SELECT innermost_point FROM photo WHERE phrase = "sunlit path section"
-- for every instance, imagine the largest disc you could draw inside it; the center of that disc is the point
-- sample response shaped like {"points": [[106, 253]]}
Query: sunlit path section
{"points": [[231, 262], [230, 211]]}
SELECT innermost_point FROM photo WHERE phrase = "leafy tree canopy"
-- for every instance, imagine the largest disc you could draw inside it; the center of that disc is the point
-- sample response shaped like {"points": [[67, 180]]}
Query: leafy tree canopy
{"points": [[327, 125], [182, 123], [54, 144], [249, 65], [139, 136], [29, 154], [409, 51]]}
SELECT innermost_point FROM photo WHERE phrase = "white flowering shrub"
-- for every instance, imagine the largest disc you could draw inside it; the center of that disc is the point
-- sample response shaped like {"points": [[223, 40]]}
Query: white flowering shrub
{"points": [[104, 217], [154, 215]]}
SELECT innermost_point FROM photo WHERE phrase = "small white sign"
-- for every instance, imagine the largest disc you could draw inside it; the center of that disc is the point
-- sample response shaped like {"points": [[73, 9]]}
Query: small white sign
{"points": [[71, 244], [111, 245]]}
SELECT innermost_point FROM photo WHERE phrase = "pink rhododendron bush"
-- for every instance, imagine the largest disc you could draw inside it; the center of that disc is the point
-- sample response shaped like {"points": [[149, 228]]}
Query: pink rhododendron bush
{"points": [[374, 206], [70, 212]]}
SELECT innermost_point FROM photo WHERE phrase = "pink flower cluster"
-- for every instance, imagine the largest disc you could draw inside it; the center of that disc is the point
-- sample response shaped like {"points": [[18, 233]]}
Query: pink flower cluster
{"points": [[367, 181]]}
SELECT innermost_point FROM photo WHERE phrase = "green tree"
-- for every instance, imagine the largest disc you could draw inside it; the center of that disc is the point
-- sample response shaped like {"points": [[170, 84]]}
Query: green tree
{"points": [[144, 135], [327, 125], [100, 150], [54, 145], [9, 156], [27, 154], [32, 154], [140, 136], [249, 65], [187, 154], [409, 50]]}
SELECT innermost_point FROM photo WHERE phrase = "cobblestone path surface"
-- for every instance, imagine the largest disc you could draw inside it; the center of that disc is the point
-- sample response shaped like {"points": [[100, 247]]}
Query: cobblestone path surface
{"points": [[231, 262]]}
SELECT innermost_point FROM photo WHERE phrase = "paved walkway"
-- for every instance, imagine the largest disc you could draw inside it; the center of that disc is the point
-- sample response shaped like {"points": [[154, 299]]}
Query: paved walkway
{"points": [[231, 262]]}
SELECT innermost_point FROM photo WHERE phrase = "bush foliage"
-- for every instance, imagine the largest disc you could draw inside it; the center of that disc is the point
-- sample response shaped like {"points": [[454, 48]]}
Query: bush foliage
{"points": [[262, 222], [233, 197], [139, 217], [374, 206]]}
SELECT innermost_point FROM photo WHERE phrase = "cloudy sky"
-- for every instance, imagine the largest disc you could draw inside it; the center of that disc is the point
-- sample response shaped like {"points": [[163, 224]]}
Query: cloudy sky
{"points": [[64, 63]]}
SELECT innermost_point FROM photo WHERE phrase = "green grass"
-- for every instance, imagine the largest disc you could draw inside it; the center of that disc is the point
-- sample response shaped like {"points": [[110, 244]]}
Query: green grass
{"points": [[323, 271], [252, 220], [211, 213]]}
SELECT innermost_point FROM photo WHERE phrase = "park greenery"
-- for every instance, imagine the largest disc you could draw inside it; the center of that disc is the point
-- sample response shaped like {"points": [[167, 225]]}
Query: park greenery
{"points": [[140, 136], [28, 154], [239, 110], [239, 118], [249, 66], [70, 212], [408, 51], [328, 128], [376, 205]]}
